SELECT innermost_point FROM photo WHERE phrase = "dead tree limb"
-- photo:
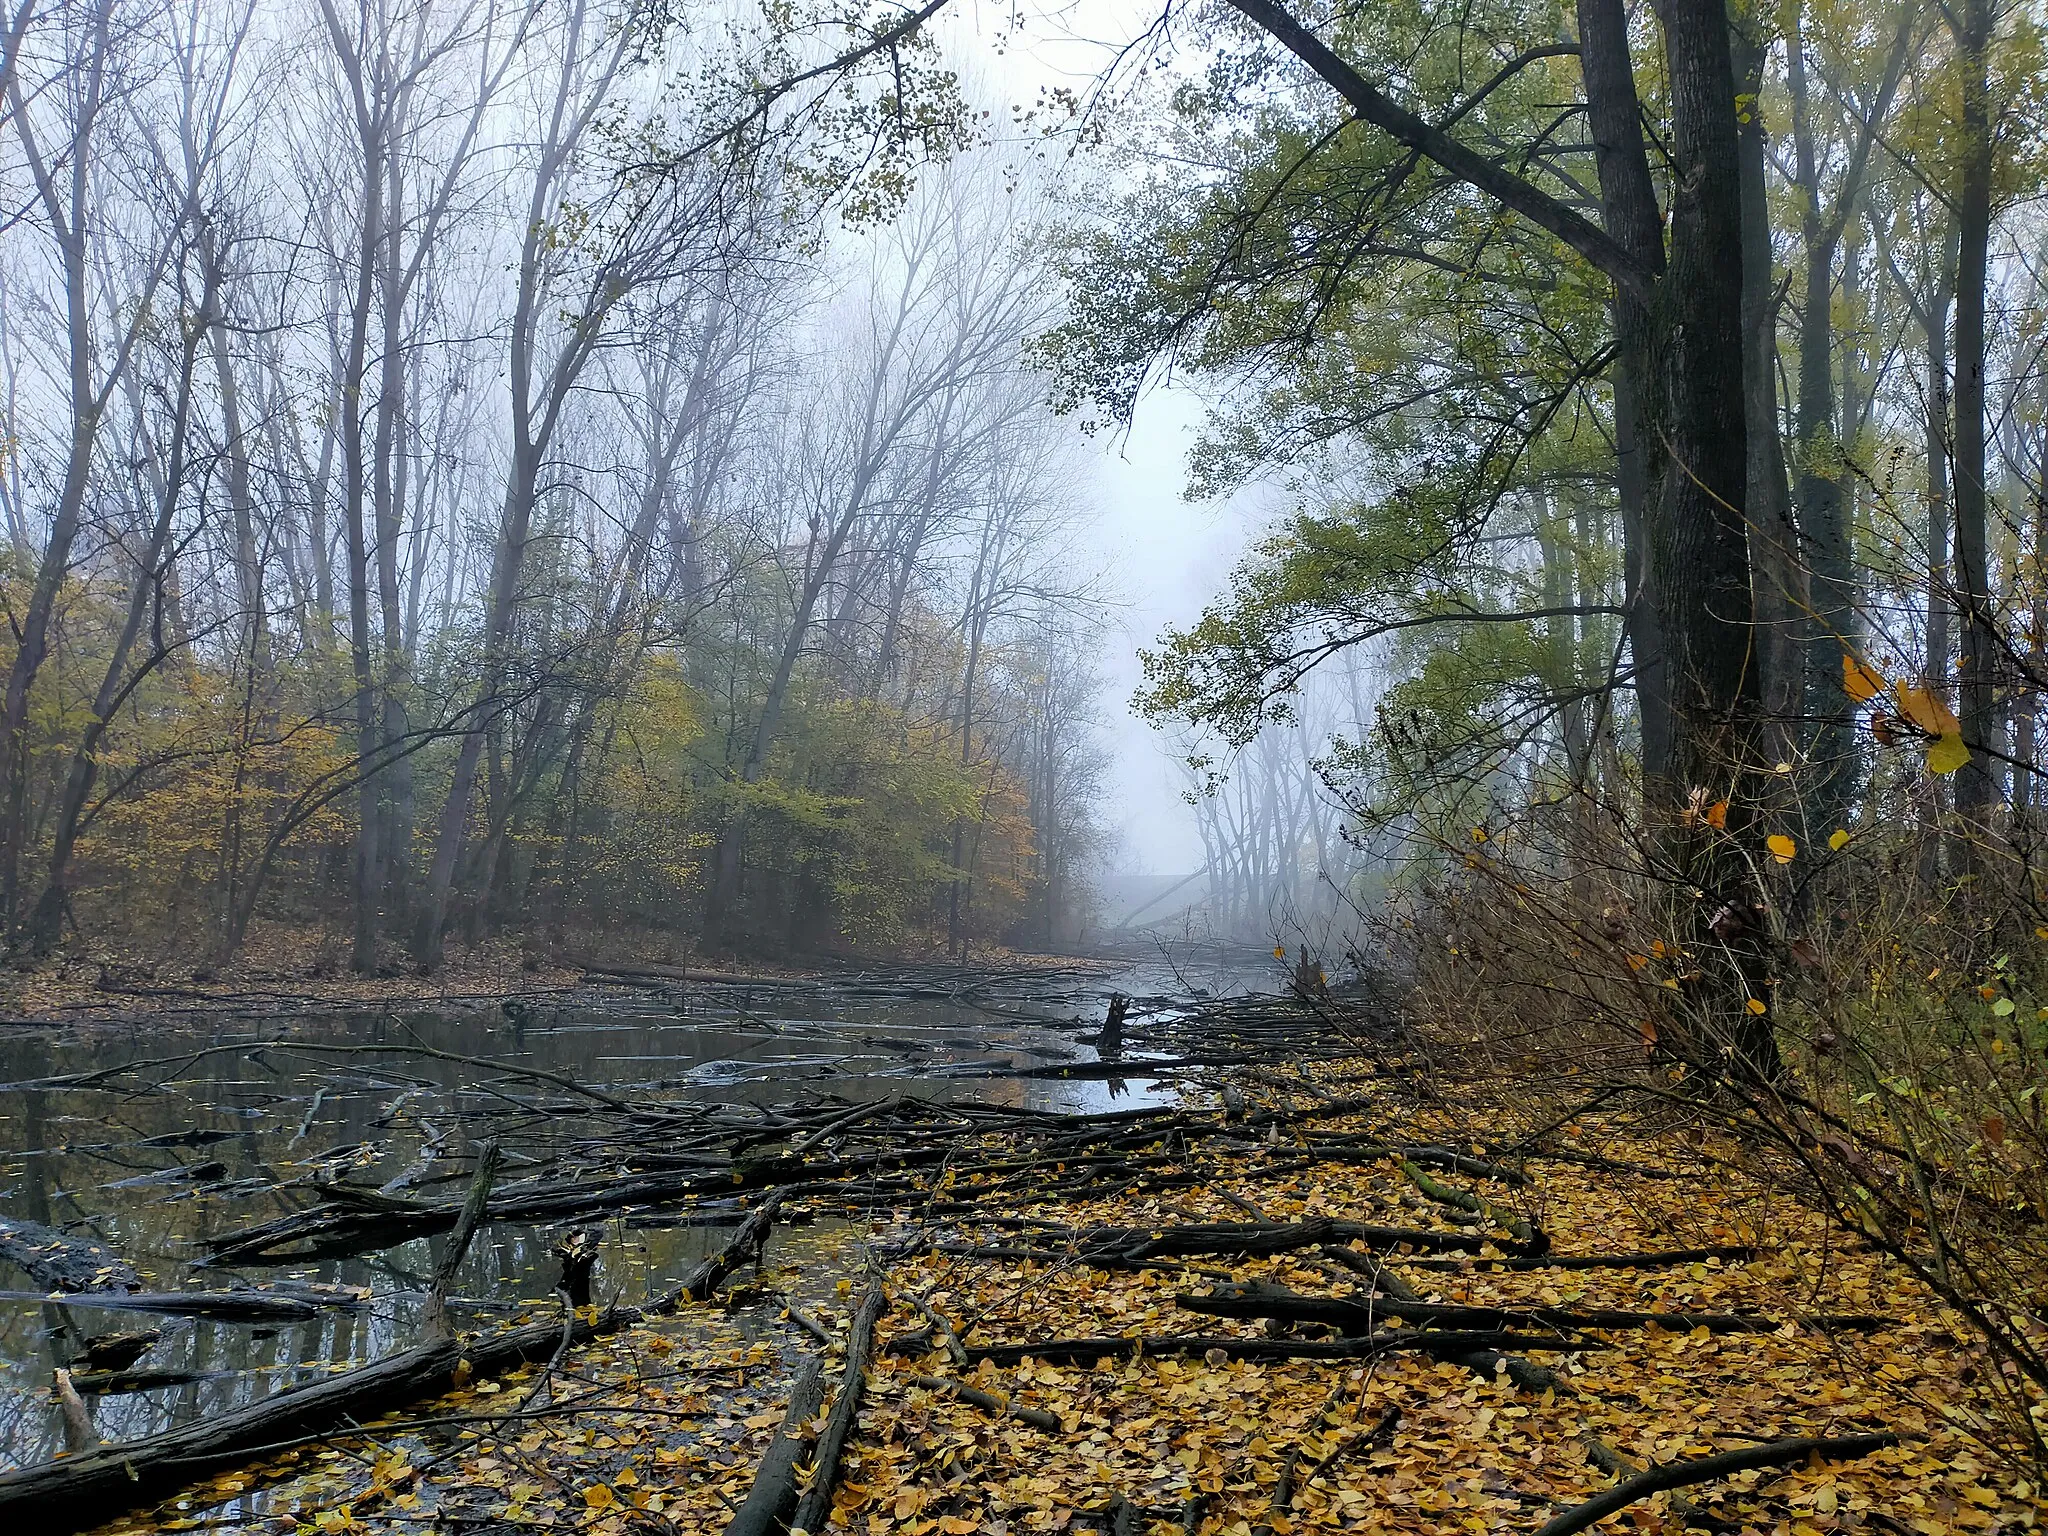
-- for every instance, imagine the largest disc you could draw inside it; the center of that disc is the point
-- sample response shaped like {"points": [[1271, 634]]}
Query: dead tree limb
{"points": [[1683, 1474], [816, 1505], [774, 1492], [990, 1402], [435, 1320], [743, 1247], [79, 1492], [1259, 1300], [1445, 1344]]}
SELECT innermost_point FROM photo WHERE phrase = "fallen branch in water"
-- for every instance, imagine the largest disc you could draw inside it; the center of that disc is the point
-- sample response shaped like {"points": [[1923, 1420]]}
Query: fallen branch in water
{"points": [[59, 1263], [229, 1306], [78, 1492]]}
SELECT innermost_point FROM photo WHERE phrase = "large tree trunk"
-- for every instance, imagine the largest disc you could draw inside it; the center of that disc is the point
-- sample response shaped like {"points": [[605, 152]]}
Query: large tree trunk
{"points": [[1701, 541], [1628, 200], [1779, 586], [1976, 787]]}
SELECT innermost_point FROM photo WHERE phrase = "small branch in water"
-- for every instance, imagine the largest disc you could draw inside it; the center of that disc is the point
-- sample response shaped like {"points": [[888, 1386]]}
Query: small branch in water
{"points": [[436, 1319]]}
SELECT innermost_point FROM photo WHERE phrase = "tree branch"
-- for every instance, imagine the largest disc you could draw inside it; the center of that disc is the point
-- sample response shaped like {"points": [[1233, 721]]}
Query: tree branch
{"points": [[1375, 107]]}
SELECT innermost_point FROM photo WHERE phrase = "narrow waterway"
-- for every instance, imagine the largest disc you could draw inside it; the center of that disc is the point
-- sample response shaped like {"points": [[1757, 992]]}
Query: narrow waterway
{"points": [[223, 1122]]}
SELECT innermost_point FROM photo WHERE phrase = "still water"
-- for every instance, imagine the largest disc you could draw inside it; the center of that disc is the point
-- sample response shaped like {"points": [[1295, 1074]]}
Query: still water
{"points": [[222, 1123]]}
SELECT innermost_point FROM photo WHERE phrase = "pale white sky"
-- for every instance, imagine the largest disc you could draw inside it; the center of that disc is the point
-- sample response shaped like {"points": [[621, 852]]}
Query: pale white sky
{"points": [[1167, 556], [1170, 557]]}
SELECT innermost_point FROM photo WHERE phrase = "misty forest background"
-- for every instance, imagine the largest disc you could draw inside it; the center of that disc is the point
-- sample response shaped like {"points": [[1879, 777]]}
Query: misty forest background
{"points": [[613, 474]]}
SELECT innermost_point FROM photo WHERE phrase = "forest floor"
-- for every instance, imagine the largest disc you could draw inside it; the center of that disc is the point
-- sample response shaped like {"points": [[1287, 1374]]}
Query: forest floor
{"points": [[1297, 1300]]}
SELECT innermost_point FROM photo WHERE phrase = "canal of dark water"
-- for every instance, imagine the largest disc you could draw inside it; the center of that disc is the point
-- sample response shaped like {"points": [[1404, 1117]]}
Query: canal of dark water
{"points": [[221, 1122]]}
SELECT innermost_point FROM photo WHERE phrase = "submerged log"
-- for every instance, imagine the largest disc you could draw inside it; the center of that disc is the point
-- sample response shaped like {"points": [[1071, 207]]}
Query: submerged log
{"points": [[225, 1306], [79, 1492], [60, 1263]]}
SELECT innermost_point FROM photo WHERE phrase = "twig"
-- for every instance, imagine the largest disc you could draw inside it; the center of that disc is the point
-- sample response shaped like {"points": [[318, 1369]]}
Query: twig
{"points": [[990, 1402]]}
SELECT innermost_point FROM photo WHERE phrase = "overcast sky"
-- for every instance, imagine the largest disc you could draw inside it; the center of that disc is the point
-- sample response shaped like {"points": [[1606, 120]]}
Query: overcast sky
{"points": [[1168, 556]]}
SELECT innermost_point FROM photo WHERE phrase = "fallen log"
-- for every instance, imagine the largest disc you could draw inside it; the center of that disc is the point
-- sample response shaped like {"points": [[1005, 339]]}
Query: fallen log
{"points": [[1618, 1466], [1653, 1260], [226, 1306], [1253, 1238], [743, 1247], [59, 1263], [79, 1492], [816, 1505], [1443, 1344], [1258, 1300], [1012, 1254], [119, 1383], [649, 971], [1519, 1227], [1683, 1474], [1489, 1363], [362, 1219], [1310, 1153], [774, 1492]]}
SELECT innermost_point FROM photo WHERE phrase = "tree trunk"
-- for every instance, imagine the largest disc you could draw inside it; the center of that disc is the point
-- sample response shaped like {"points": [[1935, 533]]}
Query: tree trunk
{"points": [[1628, 200], [1701, 541], [66, 204], [1976, 787], [1779, 586]]}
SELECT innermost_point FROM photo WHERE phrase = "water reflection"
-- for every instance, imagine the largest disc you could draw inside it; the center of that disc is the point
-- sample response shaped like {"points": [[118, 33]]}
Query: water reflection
{"points": [[223, 1131]]}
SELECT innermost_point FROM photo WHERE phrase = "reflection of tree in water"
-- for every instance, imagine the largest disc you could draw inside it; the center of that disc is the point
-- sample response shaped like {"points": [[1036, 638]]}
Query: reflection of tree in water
{"points": [[181, 1154]]}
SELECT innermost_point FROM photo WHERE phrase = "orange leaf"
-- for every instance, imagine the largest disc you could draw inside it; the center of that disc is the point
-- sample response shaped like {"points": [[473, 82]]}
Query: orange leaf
{"points": [[1717, 815], [1925, 711], [1858, 681]]}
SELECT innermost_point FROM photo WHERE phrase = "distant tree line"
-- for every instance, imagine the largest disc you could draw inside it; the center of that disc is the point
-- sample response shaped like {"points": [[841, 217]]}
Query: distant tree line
{"points": [[493, 465]]}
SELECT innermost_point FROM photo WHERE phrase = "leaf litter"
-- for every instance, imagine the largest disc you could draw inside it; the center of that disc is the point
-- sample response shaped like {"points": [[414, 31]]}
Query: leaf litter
{"points": [[661, 1427]]}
